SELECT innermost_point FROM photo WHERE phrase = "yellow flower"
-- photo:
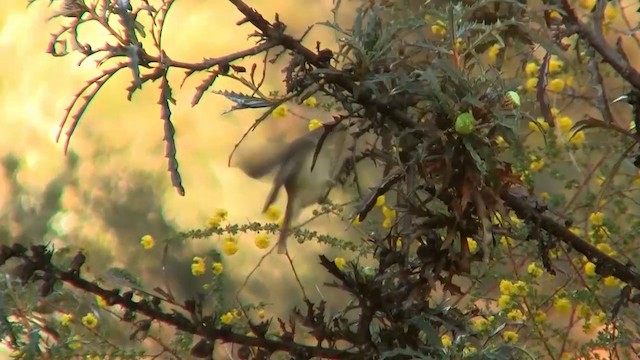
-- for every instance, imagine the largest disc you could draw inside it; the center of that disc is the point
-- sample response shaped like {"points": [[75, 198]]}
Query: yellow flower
{"points": [[65, 319], [101, 301], [515, 315], [273, 213], [473, 245], [555, 64], [74, 344], [531, 84], [504, 301], [536, 165], [531, 69], [500, 141], [610, 12], [90, 321], [198, 266], [506, 287], [227, 318], [520, 288], [596, 218], [577, 138], [380, 200], [510, 336], [314, 124], [389, 216], [230, 245], [388, 212], [544, 196], [554, 15], [569, 80], [556, 85], [583, 311], [576, 231], [311, 101], [540, 123], [479, 323], [213, 222], [611, 281], [565, 123], [439, 28], [601, 233], [605, 248], [506, 241], [221, 213], [147, 242], [493, 52], [587, 4], [218, 217], [262, 241], [468, 351], [280, 111], [217, 268], [340, 262], [446, 340], [562, 305], [534, 270], [540, 317], [601, 317], [262, 314], [636, 180], [590, 269]]}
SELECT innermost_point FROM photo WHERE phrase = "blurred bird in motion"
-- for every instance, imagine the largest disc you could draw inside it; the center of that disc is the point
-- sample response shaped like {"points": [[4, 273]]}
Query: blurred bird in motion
{"points": [[293, 163]]}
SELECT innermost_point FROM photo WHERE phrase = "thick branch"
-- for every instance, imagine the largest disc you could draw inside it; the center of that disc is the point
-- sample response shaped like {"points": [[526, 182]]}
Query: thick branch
{"points": [[596, 39], [606, 265]]}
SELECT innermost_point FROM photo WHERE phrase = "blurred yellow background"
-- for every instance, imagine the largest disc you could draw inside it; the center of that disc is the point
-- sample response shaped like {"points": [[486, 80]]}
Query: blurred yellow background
{"points": [[117, 139]]}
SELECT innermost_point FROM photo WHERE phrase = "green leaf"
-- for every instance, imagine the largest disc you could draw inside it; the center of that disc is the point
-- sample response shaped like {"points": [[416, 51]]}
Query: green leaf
{"points": [[477, 159]]}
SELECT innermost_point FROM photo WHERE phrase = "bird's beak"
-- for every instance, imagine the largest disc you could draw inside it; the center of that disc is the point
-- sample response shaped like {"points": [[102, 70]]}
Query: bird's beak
{"points": [[620, 98]]}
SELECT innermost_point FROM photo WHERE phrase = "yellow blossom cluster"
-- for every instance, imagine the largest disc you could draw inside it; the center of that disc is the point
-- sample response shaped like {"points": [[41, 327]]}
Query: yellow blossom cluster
{"points": [[198, 266], [90, 320], [280, 111], [230, 245], [219, 215], [273, 213], [473, 245], [562, 304], [556, 84], [534, 270], [564, 123], [147, 242]]}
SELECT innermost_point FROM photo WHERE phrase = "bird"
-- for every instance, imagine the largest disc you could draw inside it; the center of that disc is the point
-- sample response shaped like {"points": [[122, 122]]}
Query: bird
{"points": [[304, 181]]}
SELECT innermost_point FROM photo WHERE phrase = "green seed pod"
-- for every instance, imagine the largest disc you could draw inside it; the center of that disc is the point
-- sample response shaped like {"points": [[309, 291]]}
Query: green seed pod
{"points": [[465, 123], [511, 100]]}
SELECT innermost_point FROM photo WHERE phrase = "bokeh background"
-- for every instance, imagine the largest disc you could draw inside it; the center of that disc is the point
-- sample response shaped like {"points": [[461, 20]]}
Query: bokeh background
{"points": [[113, 186]]}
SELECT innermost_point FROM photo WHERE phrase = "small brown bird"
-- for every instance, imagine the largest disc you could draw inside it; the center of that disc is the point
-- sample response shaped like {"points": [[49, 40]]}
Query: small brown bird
{"points": [[293, 161]]}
